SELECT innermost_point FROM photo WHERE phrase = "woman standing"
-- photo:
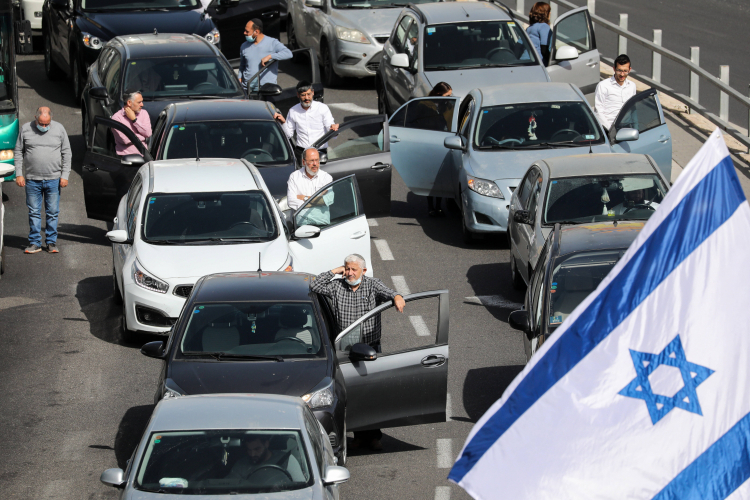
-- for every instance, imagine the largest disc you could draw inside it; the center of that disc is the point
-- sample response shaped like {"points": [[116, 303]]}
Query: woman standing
{"points": [[442, 89], [539, 31]]}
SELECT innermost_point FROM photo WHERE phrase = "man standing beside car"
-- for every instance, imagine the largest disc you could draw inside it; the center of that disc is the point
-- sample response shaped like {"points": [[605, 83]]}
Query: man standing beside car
{"points": [[612, 93], [304, 183], [257, 52], [136, 119], [351, 298], [42, 160]]}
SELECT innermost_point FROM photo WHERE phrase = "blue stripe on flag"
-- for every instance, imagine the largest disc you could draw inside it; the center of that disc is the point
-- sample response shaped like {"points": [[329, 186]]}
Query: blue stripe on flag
{"points": [[718, 471], [706, 207]]}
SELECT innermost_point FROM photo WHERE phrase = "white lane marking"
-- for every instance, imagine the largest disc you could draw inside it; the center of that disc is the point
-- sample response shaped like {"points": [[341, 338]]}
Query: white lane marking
{"points": [[384, 250], [73, 445], [57, 490], [444, 453], [77, 112], [354, 108], [399, 283], [419, 326], [372, 222], [8, 302], [493, 301], [448, 407], [443, 493]]}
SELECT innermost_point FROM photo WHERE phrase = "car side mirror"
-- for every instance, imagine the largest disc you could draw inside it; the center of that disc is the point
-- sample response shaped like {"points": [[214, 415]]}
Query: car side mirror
{"points": [[400, 61], [521, 216], [318, 4], [99, 93], [306, 231], [626, 134], [454, 142], [154, 349], [363, 352], [270, 90], [566, 53], [132, 160], [519, 320], [335, 475], [119, 236], [115, 477]]}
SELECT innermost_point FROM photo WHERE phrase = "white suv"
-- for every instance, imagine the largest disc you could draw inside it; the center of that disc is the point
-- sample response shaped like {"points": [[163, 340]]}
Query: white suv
{"points": [[183, 219]]}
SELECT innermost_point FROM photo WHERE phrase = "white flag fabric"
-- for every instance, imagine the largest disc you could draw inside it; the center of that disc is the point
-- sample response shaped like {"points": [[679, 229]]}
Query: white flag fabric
{"points": [[589, 416]]}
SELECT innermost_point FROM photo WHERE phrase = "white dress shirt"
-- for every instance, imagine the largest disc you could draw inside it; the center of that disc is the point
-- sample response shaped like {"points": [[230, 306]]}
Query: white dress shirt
{"points": [[609, 99], [310, 124], [300, 183]]}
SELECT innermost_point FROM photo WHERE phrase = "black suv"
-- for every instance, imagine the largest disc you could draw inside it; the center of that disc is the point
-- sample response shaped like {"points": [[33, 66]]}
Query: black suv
{"points": [[75, 31]]}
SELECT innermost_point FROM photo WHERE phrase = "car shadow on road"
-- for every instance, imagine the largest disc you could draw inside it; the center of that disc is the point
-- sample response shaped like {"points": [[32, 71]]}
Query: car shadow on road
{"points": [[32, 70], [493, 289], [79, 233], [390, 445], [129, 433], [484, 386]]}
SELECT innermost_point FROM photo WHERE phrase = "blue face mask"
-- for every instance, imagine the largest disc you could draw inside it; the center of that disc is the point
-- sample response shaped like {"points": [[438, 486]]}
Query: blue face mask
{"points": [[354, 283], [250, 39], [42, 129]]}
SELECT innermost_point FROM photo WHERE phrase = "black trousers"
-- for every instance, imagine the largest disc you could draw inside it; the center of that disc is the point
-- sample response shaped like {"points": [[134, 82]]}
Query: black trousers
{"points": [[369, 435]]}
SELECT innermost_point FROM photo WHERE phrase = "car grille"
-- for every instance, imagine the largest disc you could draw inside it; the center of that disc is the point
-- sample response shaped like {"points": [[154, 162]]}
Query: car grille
{"points": [[183, 290], [381, 39]]}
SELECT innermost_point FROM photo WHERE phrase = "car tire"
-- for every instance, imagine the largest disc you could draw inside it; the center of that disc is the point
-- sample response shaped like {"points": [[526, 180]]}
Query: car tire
{"points": [[116, 294], [51, 68], [341, 455], [468, 235], [383, 100], [75, 79], [330, 78], [515, 276]]}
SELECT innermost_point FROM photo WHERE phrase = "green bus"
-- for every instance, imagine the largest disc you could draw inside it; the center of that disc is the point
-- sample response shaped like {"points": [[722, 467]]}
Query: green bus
{"points": [[8, 85]]}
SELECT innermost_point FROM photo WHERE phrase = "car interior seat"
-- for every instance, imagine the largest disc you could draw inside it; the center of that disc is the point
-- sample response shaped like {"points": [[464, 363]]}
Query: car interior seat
{"points": [[575, 288], [294, 323], [220, 337]]}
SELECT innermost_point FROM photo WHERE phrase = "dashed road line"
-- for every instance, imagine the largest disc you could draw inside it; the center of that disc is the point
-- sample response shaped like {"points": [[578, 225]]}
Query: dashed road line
{"points": [[354, 108], [443, 493], [444, 453], [420, 326], [448, 407], [383, 249], [492, 301], [372, 222], [399, 283]]}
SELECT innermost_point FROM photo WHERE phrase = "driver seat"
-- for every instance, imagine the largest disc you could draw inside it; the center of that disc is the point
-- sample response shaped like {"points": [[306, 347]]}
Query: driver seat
{"points": [[220, 337], [293, 322]]}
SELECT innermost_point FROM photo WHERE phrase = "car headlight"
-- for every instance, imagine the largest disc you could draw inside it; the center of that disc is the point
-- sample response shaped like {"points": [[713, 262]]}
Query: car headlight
{"points": [[288, 267], [91, 42], [172, 390], [213, 36], [485, 188], [320, 398], [6, 154], [350, 35], [148, 282]]}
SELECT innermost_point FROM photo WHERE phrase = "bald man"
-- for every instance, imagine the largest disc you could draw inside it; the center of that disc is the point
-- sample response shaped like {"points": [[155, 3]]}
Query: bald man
{"points": [[42, 159]]}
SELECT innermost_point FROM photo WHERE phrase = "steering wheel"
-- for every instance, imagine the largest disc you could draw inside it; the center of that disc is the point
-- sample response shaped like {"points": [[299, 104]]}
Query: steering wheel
{"points": [[641, 206], [497, 50], [271, 466], [292, 338], [504, 141], [565, 131], [204, 86], [256, 152]]}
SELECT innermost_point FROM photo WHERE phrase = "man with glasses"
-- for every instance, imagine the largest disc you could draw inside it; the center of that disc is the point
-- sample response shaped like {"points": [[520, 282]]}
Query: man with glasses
{"points": [[257, 52], [304, 183], [614, 92]]}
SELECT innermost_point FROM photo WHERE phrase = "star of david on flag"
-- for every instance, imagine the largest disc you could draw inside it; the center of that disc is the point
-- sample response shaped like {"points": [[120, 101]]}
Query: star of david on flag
{"points": [[644, 390]]}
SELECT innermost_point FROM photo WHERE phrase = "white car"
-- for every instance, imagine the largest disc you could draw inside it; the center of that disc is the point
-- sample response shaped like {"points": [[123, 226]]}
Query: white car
{"points": [[31, 10], [5, 170], [183, 219]]}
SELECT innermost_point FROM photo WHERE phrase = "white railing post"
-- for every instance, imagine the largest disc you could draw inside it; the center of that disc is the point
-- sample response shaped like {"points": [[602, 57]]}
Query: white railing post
{"points": [[656, 59], [622, 43], [723, 97], [519, 7], [552, 12], [591, 4], [695, 58]]}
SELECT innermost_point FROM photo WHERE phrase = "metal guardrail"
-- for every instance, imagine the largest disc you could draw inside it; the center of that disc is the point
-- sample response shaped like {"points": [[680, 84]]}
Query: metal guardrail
{"points": [[696, 72]]}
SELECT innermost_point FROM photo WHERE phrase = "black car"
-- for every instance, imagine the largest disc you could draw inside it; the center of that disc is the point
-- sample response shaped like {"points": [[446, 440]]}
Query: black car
{"points": [[75, 31], [266, 332], [231, 16], [573, 261]]}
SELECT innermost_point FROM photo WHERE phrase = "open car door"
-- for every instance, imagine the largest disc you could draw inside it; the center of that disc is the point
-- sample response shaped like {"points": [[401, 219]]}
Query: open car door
{"points": [[418, 130], [107, 176], [302, 67], [336, 209], [407, 383], [574, 29], [643, 113], [361, 147]]}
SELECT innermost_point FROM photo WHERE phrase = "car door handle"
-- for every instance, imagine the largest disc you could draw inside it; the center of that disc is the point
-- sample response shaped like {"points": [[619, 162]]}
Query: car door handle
{"points": [[380, 166], [663, 138], [395, 139], [433, 360], [358, 234], [591, 64], [91, 168]]}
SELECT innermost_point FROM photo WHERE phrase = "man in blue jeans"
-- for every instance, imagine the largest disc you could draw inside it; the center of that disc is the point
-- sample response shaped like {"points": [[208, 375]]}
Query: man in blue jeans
{"points": [[42, 159]]}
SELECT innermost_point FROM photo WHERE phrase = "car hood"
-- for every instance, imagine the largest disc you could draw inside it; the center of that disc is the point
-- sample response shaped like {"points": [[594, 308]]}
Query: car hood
{"points": [[370, 21], [304, 494], [464, 81], [287, 378], [190, 262], [495, 165], [107, 25]]}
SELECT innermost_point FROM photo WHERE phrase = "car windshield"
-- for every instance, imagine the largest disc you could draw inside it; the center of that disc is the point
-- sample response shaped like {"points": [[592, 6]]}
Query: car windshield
{"points": [[258, 141], [373, 4], [253, 331], [183, 76], [208, 218], [483, 44], [602, 197], [574, 277], [224, 462], [130, 5], [537, 126]]}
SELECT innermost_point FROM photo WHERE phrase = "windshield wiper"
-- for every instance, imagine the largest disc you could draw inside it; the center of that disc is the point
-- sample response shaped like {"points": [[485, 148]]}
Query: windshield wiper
{"points": [[563, 144], [163, 242], [501, 146], [221, 355], [252, 240], [569, 222]]}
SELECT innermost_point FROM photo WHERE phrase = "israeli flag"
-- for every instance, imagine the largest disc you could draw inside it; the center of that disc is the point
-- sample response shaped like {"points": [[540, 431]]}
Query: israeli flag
{"points": [[585, 418]]}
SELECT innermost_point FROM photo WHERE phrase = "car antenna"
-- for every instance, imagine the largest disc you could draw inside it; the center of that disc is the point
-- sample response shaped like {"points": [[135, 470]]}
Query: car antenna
{"points": [[259, 269], [590, 152], [467, 14], [155, 32], [197, 156]]}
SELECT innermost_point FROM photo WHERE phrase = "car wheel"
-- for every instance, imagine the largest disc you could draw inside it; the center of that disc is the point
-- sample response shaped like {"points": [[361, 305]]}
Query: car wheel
{"points": [[52, 70], [515, 276], [116, 295], [341, 455], [75, 79], [468, 235], [382, 101], [330, 78]]}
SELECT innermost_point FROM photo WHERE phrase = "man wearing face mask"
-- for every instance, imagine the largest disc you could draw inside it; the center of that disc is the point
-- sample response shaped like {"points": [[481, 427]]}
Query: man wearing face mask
{"points": [[304, 183], [259, 51], [42, 160], [351, 298], [309, 119]]}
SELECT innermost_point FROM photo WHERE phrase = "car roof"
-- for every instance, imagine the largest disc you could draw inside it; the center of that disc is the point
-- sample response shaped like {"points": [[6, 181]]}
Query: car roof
{"points": [[221, 109], [595, 236], [249, 286], [461, 12], [165, 44], [228, 411], [519, 93], [206, 175], [598, 164]]}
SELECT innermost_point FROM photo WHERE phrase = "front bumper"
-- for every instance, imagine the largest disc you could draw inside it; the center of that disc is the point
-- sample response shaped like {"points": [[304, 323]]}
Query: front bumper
{"points": [[356, 60], [147, 311], [487, 215]]}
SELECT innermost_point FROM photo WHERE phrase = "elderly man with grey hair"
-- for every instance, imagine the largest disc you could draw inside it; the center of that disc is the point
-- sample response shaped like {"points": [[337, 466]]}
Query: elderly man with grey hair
{"points": [[304, 183], [351, 298], [136, 119], [42, 159]]}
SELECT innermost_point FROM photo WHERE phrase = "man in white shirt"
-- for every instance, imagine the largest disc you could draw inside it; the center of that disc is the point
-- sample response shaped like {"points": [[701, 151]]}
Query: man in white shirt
{"points": [[614, 92], [310, 119], [304, 183]]}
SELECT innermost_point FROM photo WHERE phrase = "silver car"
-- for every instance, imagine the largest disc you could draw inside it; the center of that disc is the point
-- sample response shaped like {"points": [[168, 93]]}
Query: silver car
{"points": [[242, 445], [497, 132], [579, 189], [478, 44]]}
